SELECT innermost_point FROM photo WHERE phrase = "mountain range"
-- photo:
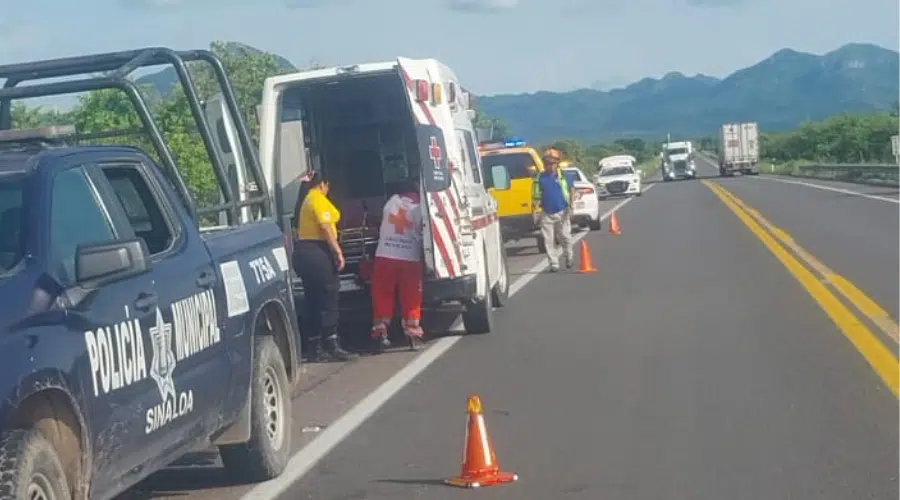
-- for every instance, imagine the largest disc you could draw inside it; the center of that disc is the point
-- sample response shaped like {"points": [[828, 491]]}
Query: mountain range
{"points": [[779, 93]]}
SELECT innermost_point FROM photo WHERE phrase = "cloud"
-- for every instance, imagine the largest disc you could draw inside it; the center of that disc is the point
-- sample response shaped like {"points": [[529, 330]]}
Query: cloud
{"points": [[311, 4], [714, 3], [20, 38], [292, 4], [482, 5], [156, 3]]}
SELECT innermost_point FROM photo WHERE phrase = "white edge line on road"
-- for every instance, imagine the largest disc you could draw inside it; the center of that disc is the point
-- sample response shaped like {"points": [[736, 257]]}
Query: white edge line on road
{"points": [[829, 188], [307, 457]]}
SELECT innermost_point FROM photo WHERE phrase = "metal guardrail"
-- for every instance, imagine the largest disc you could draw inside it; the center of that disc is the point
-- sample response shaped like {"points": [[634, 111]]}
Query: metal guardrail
{"points": [[863, 173]]}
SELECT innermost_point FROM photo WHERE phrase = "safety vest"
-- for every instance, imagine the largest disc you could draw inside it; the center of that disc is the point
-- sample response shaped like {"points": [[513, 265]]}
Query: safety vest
{"points": [[536, 189]]}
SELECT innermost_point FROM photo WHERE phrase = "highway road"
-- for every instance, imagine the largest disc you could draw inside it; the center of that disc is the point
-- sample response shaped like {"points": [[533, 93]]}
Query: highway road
{"points": [[738, 341]]}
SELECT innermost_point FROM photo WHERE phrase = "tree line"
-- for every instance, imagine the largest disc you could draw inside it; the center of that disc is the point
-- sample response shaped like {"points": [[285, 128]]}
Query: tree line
{"points": [[110, 109], [586, 157], [844, 138]]}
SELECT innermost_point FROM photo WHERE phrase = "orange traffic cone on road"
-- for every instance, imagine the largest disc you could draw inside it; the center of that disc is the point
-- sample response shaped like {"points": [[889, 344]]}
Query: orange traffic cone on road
{"points": [[587, 265], [480, 467], [614, 225]]}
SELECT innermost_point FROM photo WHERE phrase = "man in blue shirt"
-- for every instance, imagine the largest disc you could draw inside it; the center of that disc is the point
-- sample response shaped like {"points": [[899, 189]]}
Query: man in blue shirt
{"points": [[552, 193]]}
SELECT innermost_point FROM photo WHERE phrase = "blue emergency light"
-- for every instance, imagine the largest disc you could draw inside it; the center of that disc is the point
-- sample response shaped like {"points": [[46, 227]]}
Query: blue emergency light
{"points": [[514, 143]]}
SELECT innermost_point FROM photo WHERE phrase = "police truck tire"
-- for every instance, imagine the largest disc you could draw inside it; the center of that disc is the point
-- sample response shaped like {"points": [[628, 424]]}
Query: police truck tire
{"points": [[30, 468], [501, 289], [478, 318], [541, 245], [266, 454]]}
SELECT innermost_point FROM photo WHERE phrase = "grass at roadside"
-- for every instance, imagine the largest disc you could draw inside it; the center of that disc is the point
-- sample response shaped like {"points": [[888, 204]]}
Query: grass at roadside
{"points": [[648, 167]]}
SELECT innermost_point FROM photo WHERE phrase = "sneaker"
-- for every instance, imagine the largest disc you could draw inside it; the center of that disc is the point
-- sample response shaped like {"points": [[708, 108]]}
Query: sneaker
{"points": [[554, 269], [380, 335], [416, 335]]}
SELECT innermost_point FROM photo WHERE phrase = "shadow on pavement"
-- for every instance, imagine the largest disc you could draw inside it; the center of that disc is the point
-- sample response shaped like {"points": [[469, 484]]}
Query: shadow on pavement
{"points": [[417, 482], [193, 472]]}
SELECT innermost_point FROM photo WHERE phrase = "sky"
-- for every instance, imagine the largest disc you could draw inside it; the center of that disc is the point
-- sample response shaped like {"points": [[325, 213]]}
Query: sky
{"points": [[494, 46]]}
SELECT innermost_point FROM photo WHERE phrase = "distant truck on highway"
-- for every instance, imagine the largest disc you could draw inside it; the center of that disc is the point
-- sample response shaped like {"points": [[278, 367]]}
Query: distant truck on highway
{"points": [[739, 149], [678, 161]]}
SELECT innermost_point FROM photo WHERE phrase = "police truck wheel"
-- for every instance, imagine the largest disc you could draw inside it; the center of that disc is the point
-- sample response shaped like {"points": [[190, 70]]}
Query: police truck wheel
{"points": [[478, 317], [266, 454], [541, 245], [30, 468], [501, 289]]}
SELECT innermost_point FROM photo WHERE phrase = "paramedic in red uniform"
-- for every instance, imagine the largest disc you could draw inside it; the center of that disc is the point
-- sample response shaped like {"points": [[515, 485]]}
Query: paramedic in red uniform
{"points": [[398, 265]]}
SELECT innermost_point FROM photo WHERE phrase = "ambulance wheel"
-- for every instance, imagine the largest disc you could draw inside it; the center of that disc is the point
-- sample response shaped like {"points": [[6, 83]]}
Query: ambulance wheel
{"points": [[501, 289], [541, 245], [266, 454], [30, 467], [478, 318]]}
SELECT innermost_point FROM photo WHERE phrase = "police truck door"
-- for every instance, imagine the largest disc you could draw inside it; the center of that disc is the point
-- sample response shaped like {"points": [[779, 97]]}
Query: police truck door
{"points": [[187, 355], [111, 326]]}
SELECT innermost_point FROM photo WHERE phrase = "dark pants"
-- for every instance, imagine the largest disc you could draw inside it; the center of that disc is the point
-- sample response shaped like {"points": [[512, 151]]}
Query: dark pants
{"points": [[317, 268]]}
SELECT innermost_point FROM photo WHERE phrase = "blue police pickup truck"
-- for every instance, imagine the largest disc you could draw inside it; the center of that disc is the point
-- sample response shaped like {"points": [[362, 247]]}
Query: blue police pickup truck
{"points": [[128, 336]]}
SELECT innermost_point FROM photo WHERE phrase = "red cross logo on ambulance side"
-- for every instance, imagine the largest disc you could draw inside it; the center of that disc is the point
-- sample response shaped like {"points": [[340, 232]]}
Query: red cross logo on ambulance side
{"points": [[434, 152]]}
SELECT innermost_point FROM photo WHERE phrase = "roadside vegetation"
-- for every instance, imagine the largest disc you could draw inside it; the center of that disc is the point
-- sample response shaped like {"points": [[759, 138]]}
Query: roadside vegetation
{"points": [[585, 157], [105, 110], [840, 139], [843, 138]]}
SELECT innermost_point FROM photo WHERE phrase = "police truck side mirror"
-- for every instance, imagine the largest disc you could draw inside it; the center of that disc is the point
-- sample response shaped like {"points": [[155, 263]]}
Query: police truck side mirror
{"points": [[112, 261], [500, 177]]}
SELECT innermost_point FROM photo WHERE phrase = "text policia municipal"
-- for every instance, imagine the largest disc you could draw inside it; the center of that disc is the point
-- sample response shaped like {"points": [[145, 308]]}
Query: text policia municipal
{"points": [[118, 358]]}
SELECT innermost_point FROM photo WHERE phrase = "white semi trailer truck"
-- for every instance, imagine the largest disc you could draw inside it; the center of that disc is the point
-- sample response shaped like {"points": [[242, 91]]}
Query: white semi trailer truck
{"points": [[739, 149]]}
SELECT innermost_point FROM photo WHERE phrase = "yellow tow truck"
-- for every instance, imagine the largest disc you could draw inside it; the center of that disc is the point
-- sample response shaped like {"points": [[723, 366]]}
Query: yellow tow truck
{"points": [[516, 211]]}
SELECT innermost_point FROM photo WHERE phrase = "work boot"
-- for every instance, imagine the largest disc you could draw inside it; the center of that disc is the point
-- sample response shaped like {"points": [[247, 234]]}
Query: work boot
{"points": [[336, 352], [314, 348]]}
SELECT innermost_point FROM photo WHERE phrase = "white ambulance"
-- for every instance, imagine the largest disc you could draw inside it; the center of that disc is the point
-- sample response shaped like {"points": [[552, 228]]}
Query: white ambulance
{"points": [[369, 126]]}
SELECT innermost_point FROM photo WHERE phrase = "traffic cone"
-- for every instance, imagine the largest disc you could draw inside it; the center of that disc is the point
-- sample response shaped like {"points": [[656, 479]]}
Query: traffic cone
{"points": [[587, 265], [480, 467], [614, 225]]}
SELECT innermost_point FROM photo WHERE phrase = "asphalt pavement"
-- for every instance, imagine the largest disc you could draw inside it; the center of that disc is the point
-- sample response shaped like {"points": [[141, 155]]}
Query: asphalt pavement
{"points": [[698, 362]]}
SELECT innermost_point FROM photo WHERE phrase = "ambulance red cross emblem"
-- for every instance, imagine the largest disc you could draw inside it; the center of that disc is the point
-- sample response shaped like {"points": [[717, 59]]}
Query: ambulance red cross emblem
{"points": [[434, 152]]}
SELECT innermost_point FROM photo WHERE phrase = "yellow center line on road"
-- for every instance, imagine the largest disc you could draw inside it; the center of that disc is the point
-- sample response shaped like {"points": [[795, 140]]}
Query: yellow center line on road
{"points": [[868, 307], [879, 357]]}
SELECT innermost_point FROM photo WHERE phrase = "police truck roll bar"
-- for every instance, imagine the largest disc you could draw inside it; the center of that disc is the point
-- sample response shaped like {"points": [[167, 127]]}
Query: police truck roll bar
{"points": [[117, 66]]}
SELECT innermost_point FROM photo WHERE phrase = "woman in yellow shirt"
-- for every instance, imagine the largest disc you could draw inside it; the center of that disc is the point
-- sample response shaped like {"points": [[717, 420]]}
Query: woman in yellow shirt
{"points": [[318, 260]]}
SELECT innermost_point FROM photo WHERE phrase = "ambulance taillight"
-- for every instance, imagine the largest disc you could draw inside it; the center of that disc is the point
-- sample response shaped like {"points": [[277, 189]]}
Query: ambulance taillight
{"points": [[422, 91]]}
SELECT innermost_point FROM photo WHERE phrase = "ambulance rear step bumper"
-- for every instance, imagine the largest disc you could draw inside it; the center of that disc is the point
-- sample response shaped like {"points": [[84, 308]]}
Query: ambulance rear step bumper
{"points": [[435, 292]]}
